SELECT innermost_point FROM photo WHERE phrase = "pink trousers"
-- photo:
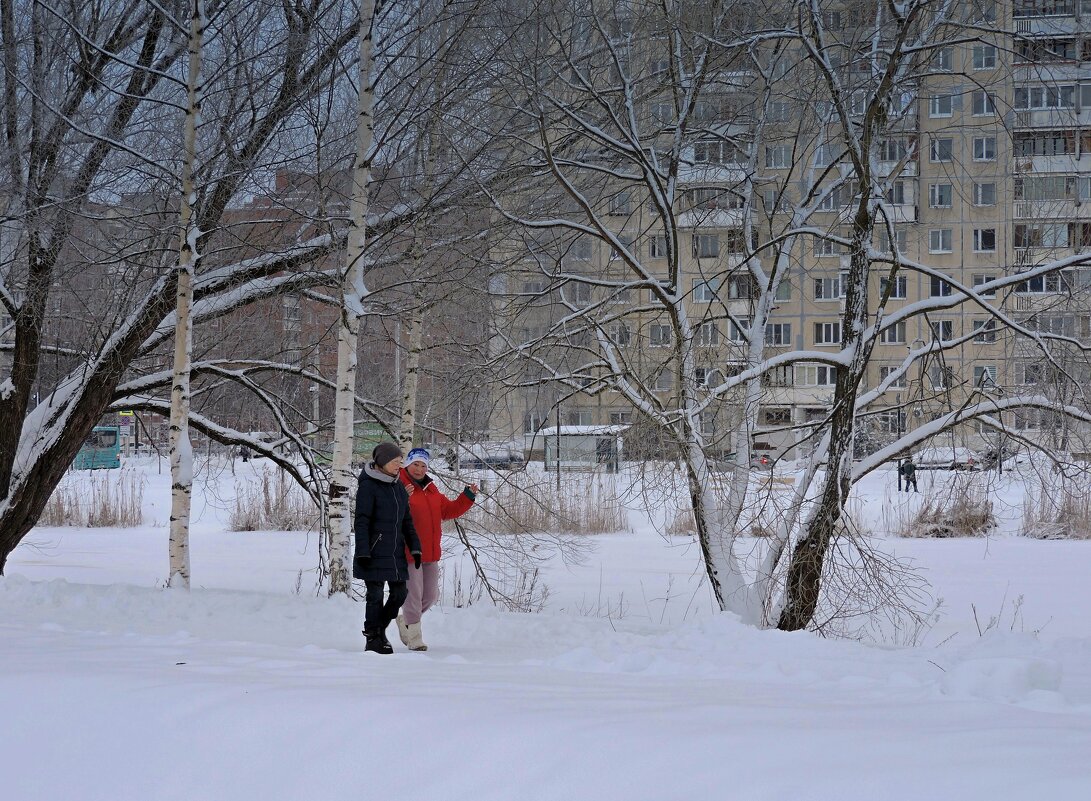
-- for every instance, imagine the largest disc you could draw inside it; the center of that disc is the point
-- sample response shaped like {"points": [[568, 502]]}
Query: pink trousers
{"points": [[423, 591]]}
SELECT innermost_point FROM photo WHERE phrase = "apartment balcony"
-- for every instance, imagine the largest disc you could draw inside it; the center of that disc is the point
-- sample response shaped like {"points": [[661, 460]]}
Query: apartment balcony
{"points": [[1031, 302], [901, 212], [1051, 209], [1065, 165], [1051, 118], [1050, 72], [909, 170], [711, 218], [1047, 26]]}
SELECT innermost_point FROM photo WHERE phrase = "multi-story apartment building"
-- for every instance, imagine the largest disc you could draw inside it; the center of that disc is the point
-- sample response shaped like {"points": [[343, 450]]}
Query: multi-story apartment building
{"points": [[992, 144]]}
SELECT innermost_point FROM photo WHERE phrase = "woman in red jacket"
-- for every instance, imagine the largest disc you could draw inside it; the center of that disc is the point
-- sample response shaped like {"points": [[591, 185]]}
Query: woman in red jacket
{"points": [[429, 508]]}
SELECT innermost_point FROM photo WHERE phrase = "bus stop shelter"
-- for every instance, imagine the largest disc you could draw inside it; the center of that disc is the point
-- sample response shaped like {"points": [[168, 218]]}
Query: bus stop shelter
{"points": [[580, 447]]}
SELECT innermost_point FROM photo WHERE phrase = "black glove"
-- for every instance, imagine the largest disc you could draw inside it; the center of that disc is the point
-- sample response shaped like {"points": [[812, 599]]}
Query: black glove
{"points": [[416, 559]]}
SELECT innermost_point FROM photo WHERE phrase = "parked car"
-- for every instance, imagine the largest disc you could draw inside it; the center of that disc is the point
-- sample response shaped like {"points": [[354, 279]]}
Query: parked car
{"points": [[947, 458], [487, 456]]}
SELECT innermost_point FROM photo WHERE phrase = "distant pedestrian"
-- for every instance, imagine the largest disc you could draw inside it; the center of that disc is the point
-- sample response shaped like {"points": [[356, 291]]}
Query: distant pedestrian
{"points": [[384, 534], [908, 471], [429, 508]]}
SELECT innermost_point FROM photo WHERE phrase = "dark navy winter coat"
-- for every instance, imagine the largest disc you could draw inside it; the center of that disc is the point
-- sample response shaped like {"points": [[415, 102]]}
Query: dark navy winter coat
{"points": [[384, 528]]}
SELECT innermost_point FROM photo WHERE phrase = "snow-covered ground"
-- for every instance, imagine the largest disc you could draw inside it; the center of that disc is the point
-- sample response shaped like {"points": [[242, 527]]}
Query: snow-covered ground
{"points": [[627, 686]]}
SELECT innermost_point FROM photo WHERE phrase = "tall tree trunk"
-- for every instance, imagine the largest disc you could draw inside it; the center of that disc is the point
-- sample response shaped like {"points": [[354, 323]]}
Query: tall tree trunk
{"points": [[181, 449], [414, 336], [804, 581], [353, 292]]}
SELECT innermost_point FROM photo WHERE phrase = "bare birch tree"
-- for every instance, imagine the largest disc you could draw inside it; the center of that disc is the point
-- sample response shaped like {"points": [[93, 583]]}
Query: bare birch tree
{"points": [[181, 450]]}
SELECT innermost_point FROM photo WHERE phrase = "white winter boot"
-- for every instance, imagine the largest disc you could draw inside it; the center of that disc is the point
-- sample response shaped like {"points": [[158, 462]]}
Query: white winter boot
{"points": [[416, 640], [403, 631]]}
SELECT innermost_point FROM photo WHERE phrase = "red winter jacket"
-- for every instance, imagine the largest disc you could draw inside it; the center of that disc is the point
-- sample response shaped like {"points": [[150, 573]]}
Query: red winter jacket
{"points": [[429, 508]]}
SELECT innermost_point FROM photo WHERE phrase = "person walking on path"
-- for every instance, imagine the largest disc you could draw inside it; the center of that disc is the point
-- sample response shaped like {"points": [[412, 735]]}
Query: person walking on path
{"points": [[908, 471], [384, 535], [429, 508]]}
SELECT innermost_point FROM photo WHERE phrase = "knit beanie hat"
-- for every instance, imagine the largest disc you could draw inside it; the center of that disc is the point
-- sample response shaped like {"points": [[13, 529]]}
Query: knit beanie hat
{"points": [[384, 452], [418, 455]]}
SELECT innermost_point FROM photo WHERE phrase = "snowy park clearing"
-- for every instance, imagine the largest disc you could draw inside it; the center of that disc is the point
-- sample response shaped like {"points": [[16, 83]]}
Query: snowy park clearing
{"points": [[626, 686]]}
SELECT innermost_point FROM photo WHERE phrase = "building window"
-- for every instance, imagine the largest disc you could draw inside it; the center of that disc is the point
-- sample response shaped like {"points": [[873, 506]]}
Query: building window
{"points": [[1029, 373], [1050, 187], [778, 334], [939, 240], [985, 194], [984, 57], [704, 197], [827, 333], [941, 150], [815, 375], [621, 204], [888, 370], [707, 335], [938, 288], [1042, 284], [582, 294], [940, 106], [1044, 235], [894, 149], [624, 243], [982, 104], [942, 329], [826, 247], [939, 375], [659, 335], [664, 381], [895, 193], [716, 151], [1047, 143], [984, 148], [657, 247], [939, 196], [827, 288], [900, 237], [898, 291], [1036, 98], [942, 58], [706, 246], [782, 375], [777, 417], [985, 330], [980, 279], [893, 334], [984, 240], [778, 156], [705, 291], [738, 329]]}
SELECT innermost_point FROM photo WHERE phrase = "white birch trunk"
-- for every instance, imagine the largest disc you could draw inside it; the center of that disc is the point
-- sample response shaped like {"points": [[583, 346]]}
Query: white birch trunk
{"points": [[181, 449], [353, 292], [414, 336]]}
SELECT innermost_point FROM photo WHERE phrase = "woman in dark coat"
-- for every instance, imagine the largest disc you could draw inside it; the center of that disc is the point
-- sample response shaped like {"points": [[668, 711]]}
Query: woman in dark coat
{"points": [[384, 532]]}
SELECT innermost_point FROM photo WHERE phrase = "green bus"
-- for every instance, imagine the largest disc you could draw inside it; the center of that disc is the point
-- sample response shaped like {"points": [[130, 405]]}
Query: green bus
{"points": [[101, 451]]}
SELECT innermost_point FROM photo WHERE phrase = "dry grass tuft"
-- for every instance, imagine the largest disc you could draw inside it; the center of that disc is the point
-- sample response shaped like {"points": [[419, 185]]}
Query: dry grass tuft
{"points": [[1058, 508], [277, 504], [585, 505], [961, 510], [102, 499]]}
